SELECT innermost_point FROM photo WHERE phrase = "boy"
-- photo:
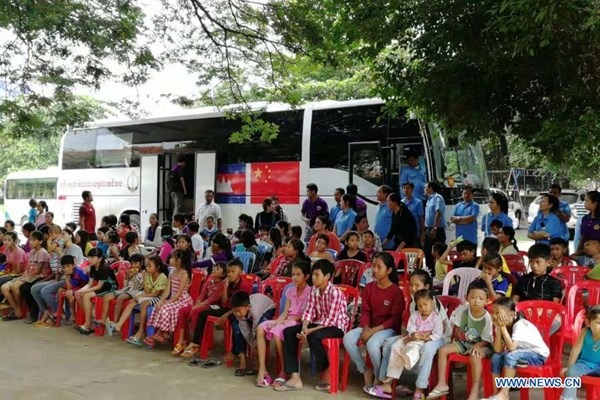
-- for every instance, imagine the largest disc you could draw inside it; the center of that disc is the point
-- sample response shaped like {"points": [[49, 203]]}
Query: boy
{"points": [[472, 335], [197, 242], [495, 227], [591, 248], [103, 243], [38, 255], [249, 311], [75, 278], [468, 257], [559, 251], [325, 316], [233, 284]]}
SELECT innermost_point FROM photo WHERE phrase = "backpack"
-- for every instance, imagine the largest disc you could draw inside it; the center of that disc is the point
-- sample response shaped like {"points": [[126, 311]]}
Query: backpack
{"points": [[174, 182]]}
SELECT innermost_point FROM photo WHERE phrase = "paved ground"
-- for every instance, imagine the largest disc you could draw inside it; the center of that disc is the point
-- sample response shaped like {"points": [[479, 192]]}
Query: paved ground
{"points": [[60, 364]]}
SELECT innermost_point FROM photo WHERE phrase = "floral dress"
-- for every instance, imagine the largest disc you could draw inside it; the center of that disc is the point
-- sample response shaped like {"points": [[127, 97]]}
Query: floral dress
{"points": [[165, 318]]}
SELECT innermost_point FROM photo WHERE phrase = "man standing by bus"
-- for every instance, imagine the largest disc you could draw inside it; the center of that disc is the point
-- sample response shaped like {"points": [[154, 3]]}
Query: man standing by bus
{"points": [[312, 208], [176, 185], [465, 216], [87, 214], [414, 174], [209, 209]]}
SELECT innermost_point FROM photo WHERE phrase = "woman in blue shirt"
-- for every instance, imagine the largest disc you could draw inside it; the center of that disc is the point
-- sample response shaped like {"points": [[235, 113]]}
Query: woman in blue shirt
{"points": [[345, 218], [546, 225], [498, 210]]}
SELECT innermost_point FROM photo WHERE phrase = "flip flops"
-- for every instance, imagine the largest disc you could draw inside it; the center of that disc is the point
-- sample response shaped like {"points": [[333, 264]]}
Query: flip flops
{"points": [[436, 394], [266, 381], [212, 363], [149, 342], [178, 349], [245, 372], [134, 341], [10, 317], [377, 391], [190, 351], [286, 388], [323, 387], [279, 381]]}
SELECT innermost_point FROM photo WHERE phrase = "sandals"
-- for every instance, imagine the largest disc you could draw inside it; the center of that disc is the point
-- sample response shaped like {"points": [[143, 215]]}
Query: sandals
{"points": [[161, 338], [323, 387], [149, 342], [377, 391], [134, 341], [436, 394], [245, 372], [265, 382], [190, 351], [286, 388], [10, 317], [178, 349], [212, 363], [279, 381]]}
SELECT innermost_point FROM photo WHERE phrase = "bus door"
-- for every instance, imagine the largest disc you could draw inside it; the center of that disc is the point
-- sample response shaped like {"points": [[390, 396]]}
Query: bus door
{"points": [[205, 176], [395, 157], [149, 188], [365, 167]]}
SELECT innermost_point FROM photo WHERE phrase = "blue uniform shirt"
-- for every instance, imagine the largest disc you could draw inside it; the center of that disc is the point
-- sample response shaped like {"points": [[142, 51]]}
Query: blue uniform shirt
{"points": [[417, 177], [416, 208], [550, 224], [344, 221], [334, 212], [467, 231], [383, 223], [435, 203], [565, 208], [487, 219]]}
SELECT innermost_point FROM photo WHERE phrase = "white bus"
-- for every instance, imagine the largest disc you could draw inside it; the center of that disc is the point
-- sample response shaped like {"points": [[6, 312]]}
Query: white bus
{"points": [[20, 187], [330, 143]]}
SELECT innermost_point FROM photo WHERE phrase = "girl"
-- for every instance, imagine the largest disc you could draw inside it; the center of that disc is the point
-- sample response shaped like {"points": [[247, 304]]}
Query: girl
{"points": [[508, 243], [517, 341], [166, 312], [284, 228], [184, 242], [42, 209], [153, 233], [497, 285], [589, 221], [361, 225], [293, 251], [114, 254], [210, 295], [27, 230], [132, 239], [419, 279], [17, 264], [267, 216], [296, 300], [440, 253], [109, 221], [381, 317], [221, 252], [585, 357], [424, 325], [71, 248], [155, 282], [247, 242], [321, 250], [82, 239], [102, 281], [32, 216], [123, 228], [167, 246], [351, 251], [134, 285]]}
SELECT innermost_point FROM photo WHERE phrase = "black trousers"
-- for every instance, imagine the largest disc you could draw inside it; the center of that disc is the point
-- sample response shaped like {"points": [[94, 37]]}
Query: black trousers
{"points": [[440, 236], [290, 346], [25, 291], [201, 323]]}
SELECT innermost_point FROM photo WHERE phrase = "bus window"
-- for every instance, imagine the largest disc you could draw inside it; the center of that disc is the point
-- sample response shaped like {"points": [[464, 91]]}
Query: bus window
{"points": [[114, 151], [31, 188], [79, 149], [366, 162]]}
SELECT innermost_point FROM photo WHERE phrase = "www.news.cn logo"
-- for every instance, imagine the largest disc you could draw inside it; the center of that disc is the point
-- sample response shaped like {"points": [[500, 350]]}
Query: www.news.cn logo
{"points": [[538, 383]]}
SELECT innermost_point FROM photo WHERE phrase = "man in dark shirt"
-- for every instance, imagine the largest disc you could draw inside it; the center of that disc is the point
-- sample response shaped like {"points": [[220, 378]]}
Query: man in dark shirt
{"points": [[176, 185], [312, 208]]}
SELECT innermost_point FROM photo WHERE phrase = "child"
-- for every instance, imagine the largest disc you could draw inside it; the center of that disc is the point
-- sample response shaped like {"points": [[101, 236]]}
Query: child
{"points": [[2, 232], [184, 242], [103, 243], [351, 251], [82, 239], [134, 285], [495, 227], [559, 251], [320, 251], [419, 279], [37, 255], [293, 251], [491, 245], [32, 216], [381, 317], [250, 311], [29, 274], [296, 300], [114, 254], [368, 243], [468, 257], [522, 340], [102, 281], [27, 229], [70, 248], [155, 283], [538, 284], [508, 243], [472, 335], [75, 279], [197, 242], [124, 227], [440, 253], [210, 229], [497, 285], [166, 312], [132, 240], [592, 250], [424, 325], [325, 316], [233, 284], [210, 295], [167, 245], [296, 233], [585, 357], [220, 253]]}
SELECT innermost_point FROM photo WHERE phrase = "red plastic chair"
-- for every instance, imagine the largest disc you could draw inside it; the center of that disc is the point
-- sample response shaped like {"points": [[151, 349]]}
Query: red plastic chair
{"points": [[120, 265], [350, 269], [277, 285], [516, 265], [575, 302], [454, 256], [542, 314], [401, 263], [332, 345], [569, 275], [450, 303], [407, 300], [198, 278]]}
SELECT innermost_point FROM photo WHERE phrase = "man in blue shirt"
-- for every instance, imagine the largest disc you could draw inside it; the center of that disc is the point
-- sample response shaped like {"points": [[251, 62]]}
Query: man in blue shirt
{"points": [[416, 208], [414, 174], [337, 195], [465, 216], [345, 218], [383, 216], [564, 209], [435, 222]]}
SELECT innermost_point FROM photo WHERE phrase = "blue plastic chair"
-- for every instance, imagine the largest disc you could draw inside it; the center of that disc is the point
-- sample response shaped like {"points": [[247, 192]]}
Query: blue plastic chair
{"points": [[247, 258], [332, 252]]}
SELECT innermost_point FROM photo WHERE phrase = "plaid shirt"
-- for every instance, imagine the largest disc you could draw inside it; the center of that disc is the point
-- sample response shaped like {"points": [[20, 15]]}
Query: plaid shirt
{"points": [[328, 309]]}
